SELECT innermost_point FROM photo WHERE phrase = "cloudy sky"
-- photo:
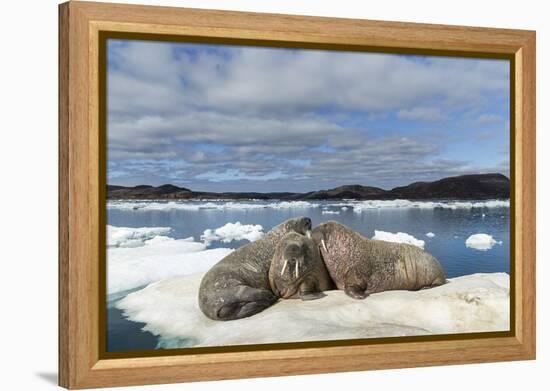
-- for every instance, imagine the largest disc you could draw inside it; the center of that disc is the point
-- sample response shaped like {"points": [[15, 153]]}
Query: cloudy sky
{"points": [[233, 118]]}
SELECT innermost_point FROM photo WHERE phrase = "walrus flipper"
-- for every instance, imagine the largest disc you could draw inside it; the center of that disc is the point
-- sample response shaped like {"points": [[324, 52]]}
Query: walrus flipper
{"points": [[356, 292], [247, 301], [309, 290]]}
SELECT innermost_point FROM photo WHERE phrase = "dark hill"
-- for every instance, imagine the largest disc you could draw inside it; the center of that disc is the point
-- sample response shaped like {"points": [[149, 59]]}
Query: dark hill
{"points": [[460, 187], [480, 186], [147, 192], [357, 192]]}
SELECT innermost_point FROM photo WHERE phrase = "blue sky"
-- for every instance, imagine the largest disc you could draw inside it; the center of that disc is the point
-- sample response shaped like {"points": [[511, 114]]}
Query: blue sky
{"points": [[230, 118]]}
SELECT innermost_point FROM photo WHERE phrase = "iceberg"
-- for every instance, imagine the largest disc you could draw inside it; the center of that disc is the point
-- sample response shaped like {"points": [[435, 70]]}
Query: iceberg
{"points": [[233, 231], [399, 237], [481, 242], [473, 303]]}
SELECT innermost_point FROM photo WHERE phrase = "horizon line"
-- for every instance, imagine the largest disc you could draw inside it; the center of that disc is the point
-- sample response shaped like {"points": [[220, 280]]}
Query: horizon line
{"points": [[335, 187]]}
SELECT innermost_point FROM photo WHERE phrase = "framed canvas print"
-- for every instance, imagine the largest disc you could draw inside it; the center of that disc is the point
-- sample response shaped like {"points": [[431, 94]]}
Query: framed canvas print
{"points": [[248, 195]]}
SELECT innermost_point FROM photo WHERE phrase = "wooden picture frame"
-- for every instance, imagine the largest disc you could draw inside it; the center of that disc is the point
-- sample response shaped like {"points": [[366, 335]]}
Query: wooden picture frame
{"points": [[82, 195]]}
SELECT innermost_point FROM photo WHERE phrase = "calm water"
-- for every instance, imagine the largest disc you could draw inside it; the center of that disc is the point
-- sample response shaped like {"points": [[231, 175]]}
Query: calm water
{"points": [[450, 226]]}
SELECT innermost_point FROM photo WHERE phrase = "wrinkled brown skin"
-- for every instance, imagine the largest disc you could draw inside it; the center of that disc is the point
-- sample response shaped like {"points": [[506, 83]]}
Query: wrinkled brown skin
{"points": [[238, 285], [297, 270], [361, 266]]}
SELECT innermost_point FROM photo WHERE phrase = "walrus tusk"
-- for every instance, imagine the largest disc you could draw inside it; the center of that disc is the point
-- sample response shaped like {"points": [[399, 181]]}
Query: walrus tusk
{"points": [[296, 270], [308, 234], [324, 245], [284, 267]]}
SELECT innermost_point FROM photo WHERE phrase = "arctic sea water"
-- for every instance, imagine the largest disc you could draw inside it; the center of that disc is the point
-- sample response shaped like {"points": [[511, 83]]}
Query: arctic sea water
{"points": [[443, 226]]}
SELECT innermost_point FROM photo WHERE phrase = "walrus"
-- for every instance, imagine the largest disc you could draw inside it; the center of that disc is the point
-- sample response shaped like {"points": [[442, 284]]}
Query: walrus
{"points": [[297, 270], [360, 266], [238, 286]]}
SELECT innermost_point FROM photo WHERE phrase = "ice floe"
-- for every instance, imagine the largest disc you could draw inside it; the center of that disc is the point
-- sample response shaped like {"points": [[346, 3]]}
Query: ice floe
{"points": [[233, 231], [481, 242], [211, 205], [330, 212], [430, 234], [399, 237], [138, 260], [358, 206], [382, 204], [474, 303], [132, 237]]}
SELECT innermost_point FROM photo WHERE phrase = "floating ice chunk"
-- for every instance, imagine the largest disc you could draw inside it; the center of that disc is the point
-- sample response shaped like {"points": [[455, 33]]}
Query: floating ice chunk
{"points": [[132, 237], [210, 205], [350, 204], [374, 204], [292, 204], [481, 242], [399, 237], [157, 258], [360, 206], [430, 234], [474, 303], [330, 212], [233, 231]]}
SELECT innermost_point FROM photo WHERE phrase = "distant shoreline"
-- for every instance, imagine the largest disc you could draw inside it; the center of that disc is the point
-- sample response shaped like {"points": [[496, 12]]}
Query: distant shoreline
{"points": [[464, 187]]}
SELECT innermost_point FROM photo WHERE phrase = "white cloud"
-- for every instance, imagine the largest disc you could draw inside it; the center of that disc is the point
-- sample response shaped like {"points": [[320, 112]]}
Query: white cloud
{"points": [[236, 175], [210, 126], [265, 108], [422, 114], [490, 119], [252, 80]]}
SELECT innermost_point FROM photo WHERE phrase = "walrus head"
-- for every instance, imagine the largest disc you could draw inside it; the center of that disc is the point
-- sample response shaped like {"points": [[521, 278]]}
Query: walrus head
{"points": [[301, 225], [320, 236], [293, 261]]}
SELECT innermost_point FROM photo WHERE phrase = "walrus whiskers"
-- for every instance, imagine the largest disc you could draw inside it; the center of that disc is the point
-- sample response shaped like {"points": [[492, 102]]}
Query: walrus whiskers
{"points": [[305, 276], [284, 267]]}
